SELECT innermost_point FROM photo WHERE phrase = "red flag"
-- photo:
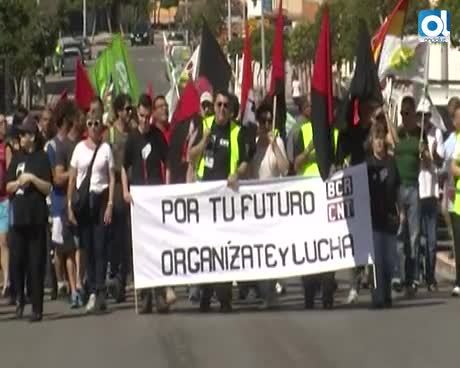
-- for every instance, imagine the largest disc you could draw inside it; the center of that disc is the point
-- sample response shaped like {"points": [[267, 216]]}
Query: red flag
{"points": [[187, 106], [322, 100], [150, 90], [394, 24], [247, 83], [84, 91]]}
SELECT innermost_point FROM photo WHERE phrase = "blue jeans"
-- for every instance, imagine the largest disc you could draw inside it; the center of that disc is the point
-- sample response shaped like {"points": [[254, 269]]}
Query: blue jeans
{"points": [[429, 219], [407, 268], [385, 258]]}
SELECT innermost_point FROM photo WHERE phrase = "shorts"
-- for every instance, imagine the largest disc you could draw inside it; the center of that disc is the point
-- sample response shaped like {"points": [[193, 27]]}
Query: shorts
{"points": [[4, 216], [63, 235]]}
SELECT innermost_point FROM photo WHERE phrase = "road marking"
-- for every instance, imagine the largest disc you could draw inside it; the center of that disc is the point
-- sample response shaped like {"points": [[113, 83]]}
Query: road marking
{"points": [[140, 59]]}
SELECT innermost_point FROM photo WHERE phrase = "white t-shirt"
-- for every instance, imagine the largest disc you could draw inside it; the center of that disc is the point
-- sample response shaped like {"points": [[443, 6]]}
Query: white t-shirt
{"points": [[428, 177], [81, 158], [296, 88], [263, 164]]}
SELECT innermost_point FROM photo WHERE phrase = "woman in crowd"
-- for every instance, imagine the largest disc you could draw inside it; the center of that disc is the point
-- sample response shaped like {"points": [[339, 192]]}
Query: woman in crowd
{"points": [[384, 185], [90, 191], [269, 161], [4, 212], [28, 183]]}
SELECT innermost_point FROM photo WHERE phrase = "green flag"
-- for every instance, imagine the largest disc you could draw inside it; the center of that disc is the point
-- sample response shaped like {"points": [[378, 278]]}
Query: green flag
{"points": [[123, 75], [100, 73]]}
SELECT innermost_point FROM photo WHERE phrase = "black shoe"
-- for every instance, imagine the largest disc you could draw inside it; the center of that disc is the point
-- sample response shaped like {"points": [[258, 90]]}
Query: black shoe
{"points": [[328, 305], [146, 304], [36, 317], [388, 303], [205, 307], [19, 311], [54, 294], [226, 307], [114, 288], [101, 304], [309, 304]]}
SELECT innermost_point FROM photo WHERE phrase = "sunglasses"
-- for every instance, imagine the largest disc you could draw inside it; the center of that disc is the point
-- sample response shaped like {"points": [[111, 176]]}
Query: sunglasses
{"points": [[206, 105], [93, 123], [222, 105]]}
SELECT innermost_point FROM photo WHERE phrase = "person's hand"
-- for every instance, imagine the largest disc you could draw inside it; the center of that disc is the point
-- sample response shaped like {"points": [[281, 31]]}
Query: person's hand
{"points": [[25, 178], [232, 182], [71, 216], [127, 197], [108, 214], [272, 137]]}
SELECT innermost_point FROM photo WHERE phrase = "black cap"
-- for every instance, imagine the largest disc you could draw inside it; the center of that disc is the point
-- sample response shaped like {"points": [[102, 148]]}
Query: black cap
{"points": [[29, 125]]}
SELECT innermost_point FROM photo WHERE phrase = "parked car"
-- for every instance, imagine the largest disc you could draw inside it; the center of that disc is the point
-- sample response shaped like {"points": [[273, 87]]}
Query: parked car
{"points": [[69, 60], [175, 39], [142, 35], [85, 47]]}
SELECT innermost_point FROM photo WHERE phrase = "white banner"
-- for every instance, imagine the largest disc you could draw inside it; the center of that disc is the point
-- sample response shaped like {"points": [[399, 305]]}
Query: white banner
{"points": [[205, 232]]}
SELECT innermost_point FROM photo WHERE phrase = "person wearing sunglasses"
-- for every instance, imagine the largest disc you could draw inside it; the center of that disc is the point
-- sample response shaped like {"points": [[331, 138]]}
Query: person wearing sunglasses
{"points": [[269, 161], [145, 157], [219, 153], [409, 152], [90, 203], [117, 136], [28, 184]]}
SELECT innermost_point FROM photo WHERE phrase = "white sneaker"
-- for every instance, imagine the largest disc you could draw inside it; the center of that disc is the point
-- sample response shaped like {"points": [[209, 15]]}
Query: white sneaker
{"points": [[91, 305], [456, 291], [352, 296]]}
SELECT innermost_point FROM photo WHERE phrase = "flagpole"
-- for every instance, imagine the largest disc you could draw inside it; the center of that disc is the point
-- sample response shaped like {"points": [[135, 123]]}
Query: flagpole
{"points": [[274, 112], [425, 88], [262, 44]]}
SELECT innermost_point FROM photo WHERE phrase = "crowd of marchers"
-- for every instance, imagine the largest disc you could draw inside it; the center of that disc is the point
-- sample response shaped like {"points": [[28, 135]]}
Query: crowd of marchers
{"points": [[65, 178]]}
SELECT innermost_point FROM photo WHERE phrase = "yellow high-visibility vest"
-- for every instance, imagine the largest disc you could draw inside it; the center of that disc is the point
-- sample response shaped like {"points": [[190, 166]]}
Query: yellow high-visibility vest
{"points": [[311, 167], [234, 146]]}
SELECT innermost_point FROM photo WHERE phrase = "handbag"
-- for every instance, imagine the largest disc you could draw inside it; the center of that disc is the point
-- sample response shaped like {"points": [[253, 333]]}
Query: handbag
{"points": [[80, 197]]}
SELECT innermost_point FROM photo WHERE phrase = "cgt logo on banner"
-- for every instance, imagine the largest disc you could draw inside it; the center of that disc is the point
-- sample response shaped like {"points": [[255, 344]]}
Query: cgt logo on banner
{"points": [[205, 232]]}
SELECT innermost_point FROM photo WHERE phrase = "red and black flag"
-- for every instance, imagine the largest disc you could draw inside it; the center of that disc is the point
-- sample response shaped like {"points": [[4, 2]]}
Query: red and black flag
{"points": [[277, 83], [322, 100], [364, 88], [212, 62]]}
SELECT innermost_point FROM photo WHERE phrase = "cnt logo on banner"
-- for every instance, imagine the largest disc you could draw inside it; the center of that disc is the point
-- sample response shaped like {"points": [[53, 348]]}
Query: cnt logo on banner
{"points": [[205, 232]]}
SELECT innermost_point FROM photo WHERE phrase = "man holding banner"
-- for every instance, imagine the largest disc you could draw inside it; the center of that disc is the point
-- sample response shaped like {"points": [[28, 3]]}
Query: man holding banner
{"points": [[219, 153], [145, 155]]}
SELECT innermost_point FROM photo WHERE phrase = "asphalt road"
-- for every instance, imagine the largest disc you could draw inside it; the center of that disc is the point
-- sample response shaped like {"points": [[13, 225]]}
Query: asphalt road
{"points": [[147, 62], [419, 333]]}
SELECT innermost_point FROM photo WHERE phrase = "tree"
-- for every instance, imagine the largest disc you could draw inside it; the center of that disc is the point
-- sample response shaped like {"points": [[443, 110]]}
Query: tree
{"points": [[235, 47], [301, 45], [213, 11], [454, 7], [256, 44], [28, 37]]}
